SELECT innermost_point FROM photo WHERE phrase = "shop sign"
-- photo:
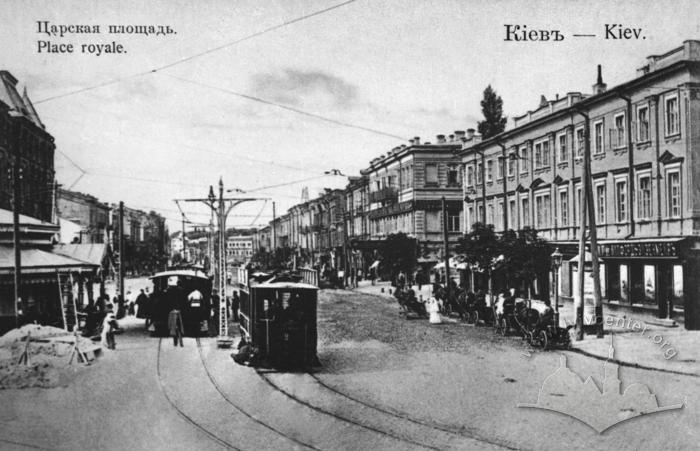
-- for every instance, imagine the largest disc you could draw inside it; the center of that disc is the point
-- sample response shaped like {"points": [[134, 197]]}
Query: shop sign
{"points": [[658, 249]]}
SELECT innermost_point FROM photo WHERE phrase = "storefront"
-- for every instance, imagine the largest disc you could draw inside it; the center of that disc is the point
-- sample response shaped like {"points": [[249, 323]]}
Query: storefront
{"points": [[648, 274]]}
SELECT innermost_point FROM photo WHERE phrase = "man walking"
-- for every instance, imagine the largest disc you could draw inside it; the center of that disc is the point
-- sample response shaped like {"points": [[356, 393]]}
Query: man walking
{"points": [[175, 326]]}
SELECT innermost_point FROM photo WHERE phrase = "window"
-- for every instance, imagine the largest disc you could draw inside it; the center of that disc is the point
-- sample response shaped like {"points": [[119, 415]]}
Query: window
{"points": [[470, 216], [479, 173], [453, 222], [470, 175], [499, 215], [525, 212], [480, 212], [489, 170], [643, 123], [542, 210], [671, 118], [598, 134], [511, 165], [599, 203], [545, 154], [562, 152], [523, 160], [580, 137], [511, 213], [431, 174], [538, 155], [577, 204], [618, 133], [452, 176], [673, 188], [499, 173], [621, 200], [489, 213], [564, 208], [644, 196]]}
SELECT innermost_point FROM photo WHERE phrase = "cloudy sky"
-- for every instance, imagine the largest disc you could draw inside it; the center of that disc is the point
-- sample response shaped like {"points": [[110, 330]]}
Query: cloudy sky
{"points": [[379, 71]]}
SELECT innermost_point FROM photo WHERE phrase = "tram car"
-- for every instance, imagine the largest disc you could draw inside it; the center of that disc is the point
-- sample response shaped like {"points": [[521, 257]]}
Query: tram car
{"points": [[279, 318], [190, 290]]}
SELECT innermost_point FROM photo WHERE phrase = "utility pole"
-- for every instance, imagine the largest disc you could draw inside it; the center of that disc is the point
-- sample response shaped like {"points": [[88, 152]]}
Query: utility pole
{"points": [[184, 239], [483, 188], [121, 251], [222, 207], [274, 228], [445, 237], [16, 205], [588, 210]]}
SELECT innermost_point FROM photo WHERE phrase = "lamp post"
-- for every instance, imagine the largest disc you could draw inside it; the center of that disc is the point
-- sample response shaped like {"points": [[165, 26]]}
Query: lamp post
{"points": [[557, 258]]}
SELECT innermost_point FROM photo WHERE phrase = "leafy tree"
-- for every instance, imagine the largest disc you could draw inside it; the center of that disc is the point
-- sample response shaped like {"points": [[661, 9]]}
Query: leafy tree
{"points": [[492, 108], [480, 247]]}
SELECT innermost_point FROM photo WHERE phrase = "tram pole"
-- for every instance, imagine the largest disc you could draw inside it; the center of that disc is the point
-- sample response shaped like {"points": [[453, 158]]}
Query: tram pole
{"points": [[121, 251], [445, 237]]}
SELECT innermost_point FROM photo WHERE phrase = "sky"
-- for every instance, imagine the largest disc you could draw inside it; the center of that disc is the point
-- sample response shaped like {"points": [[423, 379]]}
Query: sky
{"points": [[376, 72]]}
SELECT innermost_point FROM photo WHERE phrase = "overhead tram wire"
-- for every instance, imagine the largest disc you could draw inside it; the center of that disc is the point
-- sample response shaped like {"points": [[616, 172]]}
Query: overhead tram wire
{"points": [[196, 55], [288, 108]]}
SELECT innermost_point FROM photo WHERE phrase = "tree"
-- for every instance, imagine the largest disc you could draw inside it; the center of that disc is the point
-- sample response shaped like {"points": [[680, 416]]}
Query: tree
{"points": [[492, 108], [480, 247]]}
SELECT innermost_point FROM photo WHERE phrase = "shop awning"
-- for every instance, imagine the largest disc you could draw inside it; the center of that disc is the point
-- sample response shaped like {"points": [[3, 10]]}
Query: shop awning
{"points": [[37, 261]]}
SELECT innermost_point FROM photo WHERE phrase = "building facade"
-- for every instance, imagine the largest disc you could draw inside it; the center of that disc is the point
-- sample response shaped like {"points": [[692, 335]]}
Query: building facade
{"points": [[91, 215], [24, 138], [239, 248], [405, 188], [645, 152]]}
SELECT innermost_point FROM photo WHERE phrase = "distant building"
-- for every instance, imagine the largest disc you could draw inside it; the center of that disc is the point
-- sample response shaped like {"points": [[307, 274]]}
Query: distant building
{"points": [[87, 212], [239, 248]]}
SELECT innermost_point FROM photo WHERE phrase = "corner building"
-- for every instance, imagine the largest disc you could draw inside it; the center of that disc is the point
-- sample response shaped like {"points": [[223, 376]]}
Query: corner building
{"points": [[645, 170]]}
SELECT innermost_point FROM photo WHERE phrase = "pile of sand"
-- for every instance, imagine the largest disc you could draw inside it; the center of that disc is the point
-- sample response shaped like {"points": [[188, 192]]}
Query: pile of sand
{"points": [[45, 359]]}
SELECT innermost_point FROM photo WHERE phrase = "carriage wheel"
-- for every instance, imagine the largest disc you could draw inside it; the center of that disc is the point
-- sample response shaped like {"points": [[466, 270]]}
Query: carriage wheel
{"points": [[475, 317], [545, 339]]}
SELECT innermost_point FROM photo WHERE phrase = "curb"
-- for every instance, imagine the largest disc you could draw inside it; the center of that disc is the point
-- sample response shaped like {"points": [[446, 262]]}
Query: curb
{"points": [[631, 365]]}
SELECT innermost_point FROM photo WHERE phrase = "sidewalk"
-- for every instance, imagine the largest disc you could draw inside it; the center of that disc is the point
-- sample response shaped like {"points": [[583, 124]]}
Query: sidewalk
{"points": [[638, 342]]}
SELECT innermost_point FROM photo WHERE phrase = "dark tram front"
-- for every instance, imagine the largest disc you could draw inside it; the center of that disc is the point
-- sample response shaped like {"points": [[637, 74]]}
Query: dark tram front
{"points": [[279, 318], [187, 289]]}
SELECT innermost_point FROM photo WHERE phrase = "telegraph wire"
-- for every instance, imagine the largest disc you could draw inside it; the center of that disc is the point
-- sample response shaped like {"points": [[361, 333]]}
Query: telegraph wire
{"points": [[288, 108], [197, 55]]}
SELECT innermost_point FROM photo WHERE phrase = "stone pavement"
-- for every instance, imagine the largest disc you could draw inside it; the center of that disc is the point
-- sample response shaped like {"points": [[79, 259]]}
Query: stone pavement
{"points": [[639, 339]]}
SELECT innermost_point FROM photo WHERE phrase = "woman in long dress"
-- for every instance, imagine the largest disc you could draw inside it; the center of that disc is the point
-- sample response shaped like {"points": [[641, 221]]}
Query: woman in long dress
{"points": [[434, 311]]}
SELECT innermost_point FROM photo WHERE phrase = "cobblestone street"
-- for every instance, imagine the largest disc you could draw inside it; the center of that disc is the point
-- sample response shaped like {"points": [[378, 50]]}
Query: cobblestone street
{"points": [[385, 383]]}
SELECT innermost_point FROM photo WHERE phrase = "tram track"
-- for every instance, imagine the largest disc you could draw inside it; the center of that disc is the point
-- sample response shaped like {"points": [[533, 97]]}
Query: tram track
{"points": [[182, 413], [402, 416], [391, 435], [241, 410]]}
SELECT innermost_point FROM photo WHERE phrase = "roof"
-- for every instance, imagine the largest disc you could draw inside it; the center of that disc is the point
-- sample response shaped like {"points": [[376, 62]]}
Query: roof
{"points": [[24, 220], [285, 285], [38, 261], [19, 104], [180, 272], [93, 253]]}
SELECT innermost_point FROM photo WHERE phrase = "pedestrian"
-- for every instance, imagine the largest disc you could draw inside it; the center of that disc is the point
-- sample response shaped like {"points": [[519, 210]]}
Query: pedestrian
{"points": [[175, 326], [235, 305], [109, 328], [214, 315], [433, 309]]}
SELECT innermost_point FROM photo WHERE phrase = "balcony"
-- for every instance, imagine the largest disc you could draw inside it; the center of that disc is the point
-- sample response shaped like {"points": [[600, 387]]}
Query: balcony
{"points": [[386, 193]]}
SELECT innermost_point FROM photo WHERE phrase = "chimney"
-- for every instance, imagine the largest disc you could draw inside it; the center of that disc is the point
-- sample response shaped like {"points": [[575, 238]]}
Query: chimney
{"points": [[416, 140], [599, 87], [452, 138], [470, 133], [459, 134], [410, 141], [440, 139], [543, 101]]}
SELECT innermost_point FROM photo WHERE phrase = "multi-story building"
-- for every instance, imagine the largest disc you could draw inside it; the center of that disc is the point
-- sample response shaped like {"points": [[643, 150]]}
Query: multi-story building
{"points": [[239, 248], [405, 191], [145, 239], [24, 138], [87, 212], [645, 161], [360, 254]]}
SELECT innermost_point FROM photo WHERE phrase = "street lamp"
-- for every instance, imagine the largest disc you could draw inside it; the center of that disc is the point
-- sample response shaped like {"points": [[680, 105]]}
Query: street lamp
{"points": [[557, 258]]}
